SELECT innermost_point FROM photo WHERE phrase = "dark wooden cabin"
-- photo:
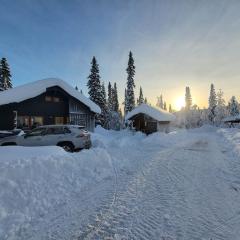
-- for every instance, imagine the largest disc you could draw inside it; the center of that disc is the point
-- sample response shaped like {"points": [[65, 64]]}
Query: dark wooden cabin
{"points": [[148, 119], [232, 121], [57, 104]]}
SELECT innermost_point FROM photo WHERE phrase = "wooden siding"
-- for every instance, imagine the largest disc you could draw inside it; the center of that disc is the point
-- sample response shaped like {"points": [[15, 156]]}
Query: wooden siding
{"points": [[148, 125]]}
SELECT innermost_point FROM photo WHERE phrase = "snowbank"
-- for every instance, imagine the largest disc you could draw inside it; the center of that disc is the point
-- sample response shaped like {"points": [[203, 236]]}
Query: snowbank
{"points": [[36, 180], [232, 137]]}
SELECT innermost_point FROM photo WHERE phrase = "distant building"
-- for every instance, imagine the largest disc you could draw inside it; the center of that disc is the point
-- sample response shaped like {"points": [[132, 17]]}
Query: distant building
{"points": [[149, 119], [47, 101], [231, 120]]}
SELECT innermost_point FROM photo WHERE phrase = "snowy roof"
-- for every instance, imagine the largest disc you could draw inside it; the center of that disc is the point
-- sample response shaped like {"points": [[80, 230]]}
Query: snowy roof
{"points": [[33, 89], [155, 113], [232, 118]]}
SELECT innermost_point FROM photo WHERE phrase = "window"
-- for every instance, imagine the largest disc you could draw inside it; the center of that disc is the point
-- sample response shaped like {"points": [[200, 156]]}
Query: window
{"points": [[59, 120], [78, 119], [55, 130], [48, 98], [56, 99], [37, 132]]}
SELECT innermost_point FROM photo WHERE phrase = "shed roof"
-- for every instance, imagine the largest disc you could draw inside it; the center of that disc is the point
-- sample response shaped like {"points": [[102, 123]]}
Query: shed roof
{"points": [[33, 89], [153, 112], [232, 118]]}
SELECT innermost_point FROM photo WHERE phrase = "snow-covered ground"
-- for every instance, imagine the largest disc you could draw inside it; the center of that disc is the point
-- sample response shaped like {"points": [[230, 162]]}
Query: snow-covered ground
{"points": [[182, 185]]}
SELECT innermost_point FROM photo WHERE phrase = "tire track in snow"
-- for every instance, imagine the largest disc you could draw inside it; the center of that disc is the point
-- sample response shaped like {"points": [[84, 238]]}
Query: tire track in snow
{"points": [[106, 208], [157, 199]]}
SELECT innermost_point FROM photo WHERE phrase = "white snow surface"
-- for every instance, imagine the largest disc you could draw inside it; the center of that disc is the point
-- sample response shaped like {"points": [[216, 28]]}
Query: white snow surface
{"points": [[153, 112], [33, 89], [179, 186]]}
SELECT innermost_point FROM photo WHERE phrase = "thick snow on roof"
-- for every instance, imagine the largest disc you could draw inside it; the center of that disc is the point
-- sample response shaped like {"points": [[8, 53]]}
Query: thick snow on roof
{"points": [[156, 113], [232, 118], [30, 90]]}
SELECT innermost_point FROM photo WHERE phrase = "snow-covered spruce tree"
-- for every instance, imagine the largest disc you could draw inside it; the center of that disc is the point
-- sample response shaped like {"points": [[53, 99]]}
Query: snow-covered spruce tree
{"points": [[165, 106], [220, 110], [94, 84], [76, 88], [5, 75], [125, 103], [115, 98], [140, 99], [170, 108], [160, 103], [145, 100], [110, 105], [188, 99], [130, 98], [212, 103], [233, 106], [103, 104], [103, 117], [114, 117]]}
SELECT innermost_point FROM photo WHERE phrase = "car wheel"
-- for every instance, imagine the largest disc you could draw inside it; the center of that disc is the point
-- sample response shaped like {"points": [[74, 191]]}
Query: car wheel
{"points": [[68, 147]]}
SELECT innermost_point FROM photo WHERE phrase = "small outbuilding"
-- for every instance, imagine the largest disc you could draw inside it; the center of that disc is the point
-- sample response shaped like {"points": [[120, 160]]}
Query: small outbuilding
{"points": [[148, 119], [231, 120]]}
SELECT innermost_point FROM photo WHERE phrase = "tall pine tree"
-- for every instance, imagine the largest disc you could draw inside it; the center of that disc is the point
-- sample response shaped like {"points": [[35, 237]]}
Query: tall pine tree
{"points": [[130, 98], [110, 105], [140, 98], [160, 102], [115, 98], [212, 103], [94, 84], [188, 99], [103, 104], [165, 106], [220, 110], [233, 106], [5, 75]]}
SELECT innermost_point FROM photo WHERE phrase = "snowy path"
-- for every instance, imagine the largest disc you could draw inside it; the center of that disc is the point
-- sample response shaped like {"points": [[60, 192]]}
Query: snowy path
{"points": [[181, 186], [181, 193]]}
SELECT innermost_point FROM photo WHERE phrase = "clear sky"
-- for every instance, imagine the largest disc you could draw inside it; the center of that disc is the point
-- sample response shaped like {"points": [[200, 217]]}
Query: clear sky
{"points": [[175, 43]]}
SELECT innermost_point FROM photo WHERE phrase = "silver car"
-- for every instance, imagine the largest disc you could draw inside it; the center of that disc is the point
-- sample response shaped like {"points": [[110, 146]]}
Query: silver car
{"points": [[69, 137]]}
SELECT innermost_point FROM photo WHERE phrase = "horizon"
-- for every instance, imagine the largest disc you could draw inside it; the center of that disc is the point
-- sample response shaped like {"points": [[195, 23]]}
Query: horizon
{"points": [[174, 45]]}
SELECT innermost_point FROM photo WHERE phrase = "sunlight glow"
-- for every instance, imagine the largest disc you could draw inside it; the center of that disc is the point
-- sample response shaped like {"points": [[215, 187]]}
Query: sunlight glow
{"points": [[179, 103]]}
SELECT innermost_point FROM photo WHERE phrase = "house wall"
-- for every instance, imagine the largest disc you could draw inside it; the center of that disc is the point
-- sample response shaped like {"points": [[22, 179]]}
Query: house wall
{"points": [[163, 127], [6, 117], [146, 124]]}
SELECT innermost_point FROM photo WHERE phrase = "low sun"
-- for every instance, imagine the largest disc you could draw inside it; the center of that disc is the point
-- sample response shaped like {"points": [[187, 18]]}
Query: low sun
{"points": [[179, 103]]}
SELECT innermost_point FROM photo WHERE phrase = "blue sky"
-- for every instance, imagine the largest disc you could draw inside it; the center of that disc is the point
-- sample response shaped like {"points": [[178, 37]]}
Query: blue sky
{"points": [[175, 43]]}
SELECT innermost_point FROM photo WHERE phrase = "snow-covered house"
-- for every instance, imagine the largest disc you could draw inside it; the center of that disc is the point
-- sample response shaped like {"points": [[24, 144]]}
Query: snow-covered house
{"points": [[149, 119], [232, 119], [47, 101]]}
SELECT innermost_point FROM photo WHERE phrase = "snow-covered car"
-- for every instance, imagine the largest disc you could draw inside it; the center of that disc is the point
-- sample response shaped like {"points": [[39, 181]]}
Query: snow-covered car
{"points": [[15, 132], [69, 137]]}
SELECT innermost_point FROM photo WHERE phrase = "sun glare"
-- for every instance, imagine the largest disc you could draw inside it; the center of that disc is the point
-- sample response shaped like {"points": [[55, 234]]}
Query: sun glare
{"points": [[179, 103]]}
